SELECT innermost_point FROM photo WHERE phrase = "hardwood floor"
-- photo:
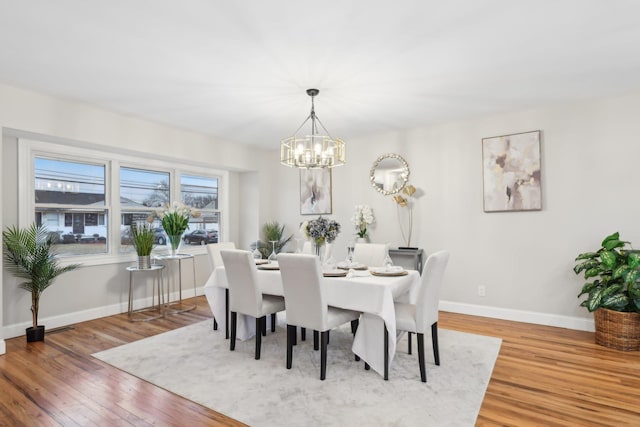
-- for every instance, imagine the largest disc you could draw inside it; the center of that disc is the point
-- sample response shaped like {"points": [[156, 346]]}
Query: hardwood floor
{"points": [[544, 376]]}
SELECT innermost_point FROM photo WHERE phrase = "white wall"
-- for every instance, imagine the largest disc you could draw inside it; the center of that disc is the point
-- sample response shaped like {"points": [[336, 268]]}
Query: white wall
{"points": [[525, 259], [97, 291]]}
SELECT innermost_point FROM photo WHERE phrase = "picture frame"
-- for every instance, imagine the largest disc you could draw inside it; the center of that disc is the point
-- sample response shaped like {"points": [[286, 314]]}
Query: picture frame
{"points": [[511, 172], [315, 192]]}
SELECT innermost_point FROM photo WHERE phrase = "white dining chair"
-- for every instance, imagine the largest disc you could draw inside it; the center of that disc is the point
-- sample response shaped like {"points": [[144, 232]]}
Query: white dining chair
{"points": [[418, 317], [245, 296], [215, 260], [306, 303], [370, 254]]}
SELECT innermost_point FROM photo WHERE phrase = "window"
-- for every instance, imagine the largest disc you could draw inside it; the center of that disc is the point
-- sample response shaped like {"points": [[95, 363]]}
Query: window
{"points": [[69, 198], [141, 191], [88, 203], [201, 193]]}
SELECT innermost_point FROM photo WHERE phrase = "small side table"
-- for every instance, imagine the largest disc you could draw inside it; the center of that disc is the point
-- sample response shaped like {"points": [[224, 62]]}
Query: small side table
{"points": [[408, 258], [157, 281], [180, 307]]}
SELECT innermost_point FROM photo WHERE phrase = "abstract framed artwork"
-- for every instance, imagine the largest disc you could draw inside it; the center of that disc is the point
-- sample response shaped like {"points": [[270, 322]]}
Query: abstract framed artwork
{"points": [[511, 172], [315, 191]]}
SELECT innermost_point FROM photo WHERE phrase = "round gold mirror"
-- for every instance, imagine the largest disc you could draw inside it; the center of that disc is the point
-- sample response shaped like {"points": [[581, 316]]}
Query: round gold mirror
{"points": [[389, 174]]}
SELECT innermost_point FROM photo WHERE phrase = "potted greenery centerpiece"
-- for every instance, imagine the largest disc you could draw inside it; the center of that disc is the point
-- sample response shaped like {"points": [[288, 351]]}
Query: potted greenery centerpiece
{"points": [[29, 255], [142, 236], [272, 232], [613, 292]]}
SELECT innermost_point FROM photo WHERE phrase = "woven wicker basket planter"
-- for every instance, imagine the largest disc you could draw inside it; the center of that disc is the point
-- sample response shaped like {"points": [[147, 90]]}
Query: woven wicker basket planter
{"points": [[619, 330]]}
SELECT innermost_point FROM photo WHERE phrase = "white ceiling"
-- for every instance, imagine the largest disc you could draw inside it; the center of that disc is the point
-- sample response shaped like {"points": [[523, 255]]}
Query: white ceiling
{"points": [[238, 70]]}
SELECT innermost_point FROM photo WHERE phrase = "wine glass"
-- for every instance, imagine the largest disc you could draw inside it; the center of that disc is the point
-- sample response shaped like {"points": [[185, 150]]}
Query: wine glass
{"points": [[273, 257], [256, 253], [388, 262], [298, 247], [349, 253]]}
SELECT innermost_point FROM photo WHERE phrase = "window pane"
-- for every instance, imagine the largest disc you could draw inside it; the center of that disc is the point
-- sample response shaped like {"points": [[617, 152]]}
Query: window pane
{"points": [[69, 183], [199, 192], [81, 236], [209, 221], [143, 188]]}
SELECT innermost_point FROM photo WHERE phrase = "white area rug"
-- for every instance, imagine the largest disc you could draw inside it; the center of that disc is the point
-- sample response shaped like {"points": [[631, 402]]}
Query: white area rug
{"points": [[195, 362]]}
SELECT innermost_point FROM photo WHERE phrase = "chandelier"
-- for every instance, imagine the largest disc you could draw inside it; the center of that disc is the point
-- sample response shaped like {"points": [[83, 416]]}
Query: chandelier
{"points": [[312, 151]]}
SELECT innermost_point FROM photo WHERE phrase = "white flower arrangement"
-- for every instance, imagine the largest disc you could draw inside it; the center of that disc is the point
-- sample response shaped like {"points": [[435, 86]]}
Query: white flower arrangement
{"points": [[362, 217]]}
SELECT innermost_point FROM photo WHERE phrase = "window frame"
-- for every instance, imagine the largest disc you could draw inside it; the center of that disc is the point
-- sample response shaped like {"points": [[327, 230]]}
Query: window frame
{"points": [[29, 148]]}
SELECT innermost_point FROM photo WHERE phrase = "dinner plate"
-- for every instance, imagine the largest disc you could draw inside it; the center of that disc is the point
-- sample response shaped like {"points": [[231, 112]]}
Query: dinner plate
{"points": [[334, 273], [389, 273], [269, 267], [261, 261]]}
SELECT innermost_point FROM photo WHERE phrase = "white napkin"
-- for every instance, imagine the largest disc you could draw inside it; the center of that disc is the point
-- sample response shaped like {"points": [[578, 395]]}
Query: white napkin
{"points": [[344, 264], [389, 269]]}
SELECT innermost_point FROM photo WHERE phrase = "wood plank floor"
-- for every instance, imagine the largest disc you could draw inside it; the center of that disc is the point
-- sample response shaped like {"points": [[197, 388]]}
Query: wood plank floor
{"points": [[544, 376]]}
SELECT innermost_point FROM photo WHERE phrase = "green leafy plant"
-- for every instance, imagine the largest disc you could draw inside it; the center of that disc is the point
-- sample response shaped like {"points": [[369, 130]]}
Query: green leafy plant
{"points": [[142, 236], [612, 274], [29, 255], [272, 231]]}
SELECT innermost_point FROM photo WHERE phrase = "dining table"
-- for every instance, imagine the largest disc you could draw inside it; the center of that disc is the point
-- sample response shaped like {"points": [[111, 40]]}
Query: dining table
{"points": [[373, 295]]}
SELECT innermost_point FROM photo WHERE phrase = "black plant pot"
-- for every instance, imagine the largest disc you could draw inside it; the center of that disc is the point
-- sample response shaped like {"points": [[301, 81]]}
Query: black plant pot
{"points": [[35, 334]]}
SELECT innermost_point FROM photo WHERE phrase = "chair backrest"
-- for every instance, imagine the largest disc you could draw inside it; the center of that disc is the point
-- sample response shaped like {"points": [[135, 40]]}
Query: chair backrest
{"points": [[244, 295], [307, 248], [213, 249], [303, 293], [429, 292], [370, 254]]}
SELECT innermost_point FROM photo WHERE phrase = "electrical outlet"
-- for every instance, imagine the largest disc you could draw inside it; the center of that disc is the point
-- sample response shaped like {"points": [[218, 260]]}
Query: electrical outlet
{"points": [[482, 291]]}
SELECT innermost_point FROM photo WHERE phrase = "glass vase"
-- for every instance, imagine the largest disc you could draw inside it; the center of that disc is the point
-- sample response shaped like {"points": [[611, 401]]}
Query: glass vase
{"points": [[319, 247], [173, 243]]}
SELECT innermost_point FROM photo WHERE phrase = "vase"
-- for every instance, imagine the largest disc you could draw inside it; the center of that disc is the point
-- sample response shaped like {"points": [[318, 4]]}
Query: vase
{"points": [[173, 243], [143, 262], [362, 239], [319, 250]]}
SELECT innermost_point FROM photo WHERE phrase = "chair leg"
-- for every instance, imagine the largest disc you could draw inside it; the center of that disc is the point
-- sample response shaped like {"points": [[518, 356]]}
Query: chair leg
{"points": [[303, 334], [234, 319], [263, 325], [386, 353], [259, 324], [294, 339], [226, 313], [324, 338], [423, 371], [354, 326], [215, 324], [328, 337], [409, 337], [366, 366], [316, 346], [291, 330], [273, 322], [434, 340]]}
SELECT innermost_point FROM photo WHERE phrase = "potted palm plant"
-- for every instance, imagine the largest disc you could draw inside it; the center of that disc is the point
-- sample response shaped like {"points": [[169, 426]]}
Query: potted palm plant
{"points": [[29, 255], [142, 237], [613, 292]]}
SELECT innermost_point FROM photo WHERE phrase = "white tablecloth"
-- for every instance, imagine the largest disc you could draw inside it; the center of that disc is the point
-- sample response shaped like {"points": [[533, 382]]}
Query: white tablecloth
{"points": [[372, 295]]}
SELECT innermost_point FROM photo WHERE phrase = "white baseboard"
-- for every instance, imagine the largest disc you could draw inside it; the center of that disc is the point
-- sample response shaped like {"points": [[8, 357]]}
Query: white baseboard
{"points": [[579, 323], [560, 321], [15, 330], [3, 347]]}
